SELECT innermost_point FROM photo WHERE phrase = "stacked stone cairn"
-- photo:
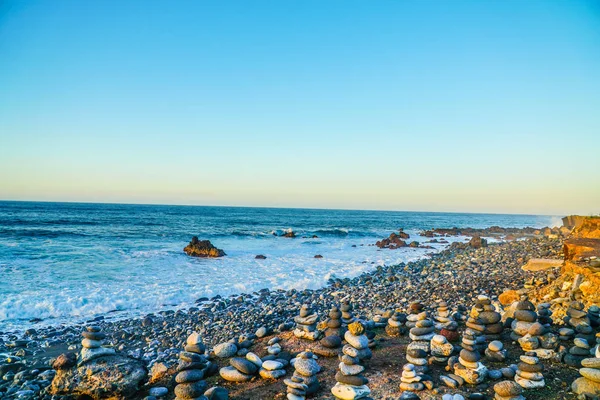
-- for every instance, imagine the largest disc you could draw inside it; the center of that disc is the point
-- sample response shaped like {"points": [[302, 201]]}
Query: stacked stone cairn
{"points": [[271, 366], [93, 339], [578, 319], [306, 324], [381, 317], [410, 380], [566, 334], [495, 351], [421, 335], [347, 315], [413, 314], [489, 317], [450, 331], [240, 369], [351, 384], [594, 316], [529, 372], [473, 336], [468, 366], [524, 317], [191, 370], [370, 334], [442, 316], [460, 315], [304, 382], [544, 314], [440, 349], [331, 344], [589, 382], [396, 325], [508, 390], [358, 343], [578, 352]]}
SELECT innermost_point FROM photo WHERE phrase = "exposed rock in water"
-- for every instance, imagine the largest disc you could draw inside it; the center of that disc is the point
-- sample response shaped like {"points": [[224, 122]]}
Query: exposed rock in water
{"points": [[109, 377], [477, 242], [289, 234], [260, 257], [392, 242], [202, 248]]}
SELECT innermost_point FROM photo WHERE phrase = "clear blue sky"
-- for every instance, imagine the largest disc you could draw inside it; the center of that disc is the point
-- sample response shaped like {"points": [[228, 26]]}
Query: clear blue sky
{"points": [[408, 105]]}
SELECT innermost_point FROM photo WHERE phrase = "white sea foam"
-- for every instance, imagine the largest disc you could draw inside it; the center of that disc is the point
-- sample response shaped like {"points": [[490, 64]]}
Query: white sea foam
{"points": [[155, 279]]}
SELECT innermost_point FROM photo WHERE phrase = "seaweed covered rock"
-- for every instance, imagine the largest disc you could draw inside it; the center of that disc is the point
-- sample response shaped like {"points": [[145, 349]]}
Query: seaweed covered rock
{"points": [[202, 248]]}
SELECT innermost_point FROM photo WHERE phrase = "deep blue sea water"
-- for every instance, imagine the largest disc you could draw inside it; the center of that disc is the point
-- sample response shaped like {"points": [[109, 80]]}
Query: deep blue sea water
{"points": [[63, 262]]}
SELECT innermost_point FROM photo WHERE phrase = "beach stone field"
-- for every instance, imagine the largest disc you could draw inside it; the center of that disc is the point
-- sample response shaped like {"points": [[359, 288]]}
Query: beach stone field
{"points": [[470, 322]]}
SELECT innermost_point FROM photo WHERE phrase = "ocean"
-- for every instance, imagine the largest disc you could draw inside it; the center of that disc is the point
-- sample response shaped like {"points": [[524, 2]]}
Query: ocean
{"points": [[69, 262]]}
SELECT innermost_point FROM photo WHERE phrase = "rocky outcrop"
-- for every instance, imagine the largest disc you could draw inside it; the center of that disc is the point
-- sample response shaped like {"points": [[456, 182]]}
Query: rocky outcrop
{"points": [[579, 277], [202, 248], [476, 242], [392, 242], [108, 377]]}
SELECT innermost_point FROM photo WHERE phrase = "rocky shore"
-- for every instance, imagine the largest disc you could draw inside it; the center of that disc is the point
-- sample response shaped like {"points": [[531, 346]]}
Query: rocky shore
{"points": [[262, 322]]}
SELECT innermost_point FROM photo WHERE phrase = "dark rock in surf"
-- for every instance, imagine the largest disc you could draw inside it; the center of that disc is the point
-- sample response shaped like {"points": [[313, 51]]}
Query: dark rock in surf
{"points": [[202, 248]]}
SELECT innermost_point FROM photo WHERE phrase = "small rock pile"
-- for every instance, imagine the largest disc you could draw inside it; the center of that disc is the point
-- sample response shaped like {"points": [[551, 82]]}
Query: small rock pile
{"points": [[92, 345], [421, 335], [358, 343], [191, 370], [544, 314], [529, 372], [396, 325], [495, 351], [306, 324], [351, 384], [460, 315], [330, 345], [594, 316], [577, 353], [413, 314], [508, 390], [450, 331], [469, 368], [304, 382], [347, 315], [484, 311], [334, 323], [410, 380], [272, 369], [381, 317], [442, 316], [589, 382], [239, 370], [524, 317], [440, 349]]}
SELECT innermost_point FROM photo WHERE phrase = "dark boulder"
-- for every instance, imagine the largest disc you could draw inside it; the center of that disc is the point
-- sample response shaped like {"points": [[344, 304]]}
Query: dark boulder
{"points": [[477, 242], [65, 361], [261, 257], [202, 248]]}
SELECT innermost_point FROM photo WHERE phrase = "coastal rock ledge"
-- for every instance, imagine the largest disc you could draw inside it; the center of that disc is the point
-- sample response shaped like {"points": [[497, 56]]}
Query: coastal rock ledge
{"points": [[202, 248], [106, 377]]}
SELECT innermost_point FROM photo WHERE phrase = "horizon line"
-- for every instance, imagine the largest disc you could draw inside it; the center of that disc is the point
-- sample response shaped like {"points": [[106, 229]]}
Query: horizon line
{"points": [[275, 207]]}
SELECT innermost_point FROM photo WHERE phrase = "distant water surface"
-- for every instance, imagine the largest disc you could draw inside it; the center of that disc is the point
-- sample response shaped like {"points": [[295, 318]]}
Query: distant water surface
{"points": [[63, 262]]}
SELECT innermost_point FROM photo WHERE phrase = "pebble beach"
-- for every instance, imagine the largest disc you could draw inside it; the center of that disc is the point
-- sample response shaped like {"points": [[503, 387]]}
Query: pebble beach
{"points": [[456, 276]]}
